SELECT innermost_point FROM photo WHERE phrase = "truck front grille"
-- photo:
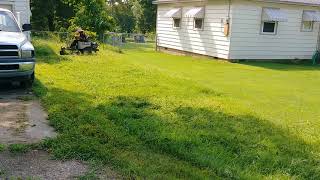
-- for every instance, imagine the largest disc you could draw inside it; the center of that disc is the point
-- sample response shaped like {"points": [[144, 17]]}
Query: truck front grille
{"points": [[5, 47], [9, 67], [9, 54], [9, 51]]}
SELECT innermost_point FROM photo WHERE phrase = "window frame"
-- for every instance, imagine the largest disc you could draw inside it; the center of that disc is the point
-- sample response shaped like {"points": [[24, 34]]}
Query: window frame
{"points": [[302, 22], [303, 29], [173, 23], [194, 24], [269, 33]]}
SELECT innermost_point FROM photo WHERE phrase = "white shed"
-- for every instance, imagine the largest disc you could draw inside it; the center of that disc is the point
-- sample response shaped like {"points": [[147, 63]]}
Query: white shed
{"points": [[240, 29], [20, 8]]}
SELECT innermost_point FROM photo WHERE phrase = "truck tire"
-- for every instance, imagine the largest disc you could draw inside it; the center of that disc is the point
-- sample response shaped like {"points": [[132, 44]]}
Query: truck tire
{"points": [[28, 83]]}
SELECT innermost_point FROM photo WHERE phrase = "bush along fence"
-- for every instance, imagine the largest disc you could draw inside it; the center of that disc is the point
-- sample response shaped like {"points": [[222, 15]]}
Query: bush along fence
{"points": [[111, 38]]}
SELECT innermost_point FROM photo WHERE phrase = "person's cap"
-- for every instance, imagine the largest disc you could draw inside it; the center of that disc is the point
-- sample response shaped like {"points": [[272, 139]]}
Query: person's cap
{"points": [[79, 30]]}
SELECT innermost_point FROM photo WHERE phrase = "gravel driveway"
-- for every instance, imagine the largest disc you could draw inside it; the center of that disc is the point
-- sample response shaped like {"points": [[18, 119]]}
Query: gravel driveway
{"points": [[23, 121]]}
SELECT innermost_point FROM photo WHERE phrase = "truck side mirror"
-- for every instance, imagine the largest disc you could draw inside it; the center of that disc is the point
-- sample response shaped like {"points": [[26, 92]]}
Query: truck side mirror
{"points": [[26, 27]]}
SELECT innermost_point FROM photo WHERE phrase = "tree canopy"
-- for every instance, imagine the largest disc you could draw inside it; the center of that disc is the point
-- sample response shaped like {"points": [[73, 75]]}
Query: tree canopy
{"points": [[94, 15]]}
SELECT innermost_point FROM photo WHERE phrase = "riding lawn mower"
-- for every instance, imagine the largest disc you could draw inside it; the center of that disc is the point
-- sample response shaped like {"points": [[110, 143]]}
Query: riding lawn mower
{"points": [[80, 47]]}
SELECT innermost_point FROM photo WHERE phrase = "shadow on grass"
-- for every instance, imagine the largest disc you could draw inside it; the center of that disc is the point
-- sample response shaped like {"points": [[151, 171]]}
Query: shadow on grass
{"points": [[305, 66], [194, 143]]}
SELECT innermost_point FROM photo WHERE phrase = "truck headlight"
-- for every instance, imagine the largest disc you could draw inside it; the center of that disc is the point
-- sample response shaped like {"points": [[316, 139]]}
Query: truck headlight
{"points": [[27, 53]]}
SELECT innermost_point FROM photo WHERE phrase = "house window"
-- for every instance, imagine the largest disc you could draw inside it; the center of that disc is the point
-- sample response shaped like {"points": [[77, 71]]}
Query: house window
{"points": [[307, 26], [176, 22], [269, 27], [308, 19], [198, 23]]}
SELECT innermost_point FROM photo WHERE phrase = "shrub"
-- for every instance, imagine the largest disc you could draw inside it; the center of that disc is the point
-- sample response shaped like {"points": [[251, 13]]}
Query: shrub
{"points": [[2, 147]]}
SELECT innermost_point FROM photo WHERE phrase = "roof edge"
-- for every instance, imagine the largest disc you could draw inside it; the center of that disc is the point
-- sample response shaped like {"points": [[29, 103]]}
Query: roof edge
{"points": [[289, 2], [270, 1], [176, 1]]}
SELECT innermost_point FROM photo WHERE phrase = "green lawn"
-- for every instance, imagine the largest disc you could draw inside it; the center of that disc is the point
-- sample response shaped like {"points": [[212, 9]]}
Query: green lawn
{"points": [[158, 116]]}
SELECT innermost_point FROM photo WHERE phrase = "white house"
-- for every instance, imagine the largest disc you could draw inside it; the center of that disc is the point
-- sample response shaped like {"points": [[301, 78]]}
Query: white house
{"points": [[21, 9], [240, 29]]}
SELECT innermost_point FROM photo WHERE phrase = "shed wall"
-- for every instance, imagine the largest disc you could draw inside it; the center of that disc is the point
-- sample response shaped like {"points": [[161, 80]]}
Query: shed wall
{"points": [[22, 6], [290, 42], [210, 41]]}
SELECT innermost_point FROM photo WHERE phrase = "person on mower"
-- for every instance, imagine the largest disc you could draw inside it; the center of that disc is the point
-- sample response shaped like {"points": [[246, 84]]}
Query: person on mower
{"points": [[80, 36]]}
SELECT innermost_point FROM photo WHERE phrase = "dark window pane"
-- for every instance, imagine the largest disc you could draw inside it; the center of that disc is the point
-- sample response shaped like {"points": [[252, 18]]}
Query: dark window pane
{"points": [[198, 23], [176, 22], [269, 27]]}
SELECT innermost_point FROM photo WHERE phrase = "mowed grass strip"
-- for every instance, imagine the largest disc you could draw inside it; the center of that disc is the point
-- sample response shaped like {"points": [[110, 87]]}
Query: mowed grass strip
{"points": [[154, 115]]}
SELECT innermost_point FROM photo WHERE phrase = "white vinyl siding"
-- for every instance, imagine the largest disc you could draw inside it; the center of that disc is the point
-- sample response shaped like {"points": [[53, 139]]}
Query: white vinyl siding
{"points": [[209, 41], [22, 6], [246, 40], [289, 42]]}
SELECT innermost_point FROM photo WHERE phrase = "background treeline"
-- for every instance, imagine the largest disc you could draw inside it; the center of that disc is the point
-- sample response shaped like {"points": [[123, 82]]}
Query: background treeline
{"points": [[99, 16]]}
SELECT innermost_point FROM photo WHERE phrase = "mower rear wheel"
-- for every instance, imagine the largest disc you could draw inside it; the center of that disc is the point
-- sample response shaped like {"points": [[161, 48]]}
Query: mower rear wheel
{"points": [[63, 51]]}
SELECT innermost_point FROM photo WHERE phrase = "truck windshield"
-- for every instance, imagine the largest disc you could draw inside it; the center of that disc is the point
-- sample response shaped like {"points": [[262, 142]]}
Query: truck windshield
{"points": [[8, 23]]}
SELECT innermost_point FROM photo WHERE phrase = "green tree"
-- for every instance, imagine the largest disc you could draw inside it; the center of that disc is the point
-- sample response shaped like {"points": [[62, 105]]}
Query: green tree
{"points": [[63, 13], [92, 15], [51, 15], [123, 15], [133, 15], [43, 14], [147, 21]]}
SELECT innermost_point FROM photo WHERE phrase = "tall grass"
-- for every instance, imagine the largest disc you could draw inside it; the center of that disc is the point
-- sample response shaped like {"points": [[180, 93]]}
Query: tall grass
{"points": [[158, 116]]}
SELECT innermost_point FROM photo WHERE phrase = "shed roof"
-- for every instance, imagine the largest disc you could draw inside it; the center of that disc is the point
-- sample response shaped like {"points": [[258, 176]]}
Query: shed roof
{"points": [[306, 2], [303, 2]]}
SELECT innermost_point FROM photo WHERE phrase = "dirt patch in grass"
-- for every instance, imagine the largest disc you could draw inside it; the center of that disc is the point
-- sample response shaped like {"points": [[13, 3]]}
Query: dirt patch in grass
{"points": [[13, 115], [22, 119], [23, 123]]}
